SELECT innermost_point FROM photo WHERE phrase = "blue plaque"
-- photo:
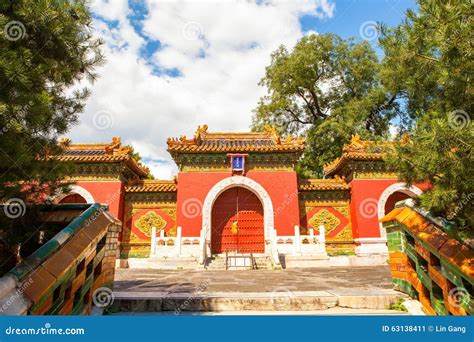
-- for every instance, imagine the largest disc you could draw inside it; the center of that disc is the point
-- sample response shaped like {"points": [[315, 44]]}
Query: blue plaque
{"points": [[238, 163]]}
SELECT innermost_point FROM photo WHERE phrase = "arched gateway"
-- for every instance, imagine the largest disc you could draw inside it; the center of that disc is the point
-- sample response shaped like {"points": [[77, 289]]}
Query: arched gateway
{"points": [[237, 215], [240, 191], [237, 222]]}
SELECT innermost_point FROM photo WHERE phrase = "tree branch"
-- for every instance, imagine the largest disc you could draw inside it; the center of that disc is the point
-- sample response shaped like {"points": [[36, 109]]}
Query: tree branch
{"points": [[308, 104], [296, 118]]}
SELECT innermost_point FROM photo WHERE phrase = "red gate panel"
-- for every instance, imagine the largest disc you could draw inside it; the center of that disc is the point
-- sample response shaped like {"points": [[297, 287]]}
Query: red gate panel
{"points": [[237, 222]]}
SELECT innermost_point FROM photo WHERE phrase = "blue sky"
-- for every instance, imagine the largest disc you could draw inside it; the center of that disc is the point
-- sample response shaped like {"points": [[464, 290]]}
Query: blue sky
{"points": [[349, 14], [172, 66]]}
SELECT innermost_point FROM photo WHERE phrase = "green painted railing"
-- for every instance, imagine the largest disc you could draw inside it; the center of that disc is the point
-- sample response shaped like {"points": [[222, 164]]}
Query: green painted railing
{"points": [[41, 254]]}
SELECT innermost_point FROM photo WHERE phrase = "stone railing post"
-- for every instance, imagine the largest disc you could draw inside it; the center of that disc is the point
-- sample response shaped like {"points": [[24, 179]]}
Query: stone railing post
{"points": [[273, 247], [297, 241], [153, 241], [322, 234], [202, 248], [322, 240], [178, 241]]}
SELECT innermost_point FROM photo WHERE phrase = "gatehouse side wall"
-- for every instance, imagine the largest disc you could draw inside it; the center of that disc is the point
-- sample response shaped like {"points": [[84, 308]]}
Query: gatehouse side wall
{"points": [[281, 186]]}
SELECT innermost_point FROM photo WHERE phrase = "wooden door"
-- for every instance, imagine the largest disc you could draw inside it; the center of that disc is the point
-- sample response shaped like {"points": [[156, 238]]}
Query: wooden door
{"points": [[237, 222]]}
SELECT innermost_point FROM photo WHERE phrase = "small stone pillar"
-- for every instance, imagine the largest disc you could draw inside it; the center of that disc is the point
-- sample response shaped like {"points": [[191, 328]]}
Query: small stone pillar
{"points": [[202, 248], [322, 234], [153, 241], [297, 241], [178, 241]]}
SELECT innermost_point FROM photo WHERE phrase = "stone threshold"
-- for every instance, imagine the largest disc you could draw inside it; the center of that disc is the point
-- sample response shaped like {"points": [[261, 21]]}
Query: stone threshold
{"points": [[179, 302]]}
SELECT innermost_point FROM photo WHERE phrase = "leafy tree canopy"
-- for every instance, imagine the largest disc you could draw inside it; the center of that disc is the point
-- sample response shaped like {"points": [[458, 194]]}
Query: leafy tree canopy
{"points": [[329, 89], [429, 58], [46, 47]]}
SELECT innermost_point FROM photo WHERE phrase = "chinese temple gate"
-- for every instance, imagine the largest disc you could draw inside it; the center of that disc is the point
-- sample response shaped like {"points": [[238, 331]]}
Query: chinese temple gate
{"points": [[239, 192], [237, 222]]}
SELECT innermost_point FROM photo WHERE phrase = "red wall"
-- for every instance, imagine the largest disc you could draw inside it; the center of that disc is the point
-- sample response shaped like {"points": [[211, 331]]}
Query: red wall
{"points": [[193, 188], [108, 192], [364, 209]]}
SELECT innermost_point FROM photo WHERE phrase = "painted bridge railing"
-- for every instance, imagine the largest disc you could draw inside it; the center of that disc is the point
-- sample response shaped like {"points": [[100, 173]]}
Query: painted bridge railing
{"points": [[60, 277], [199, 247]]}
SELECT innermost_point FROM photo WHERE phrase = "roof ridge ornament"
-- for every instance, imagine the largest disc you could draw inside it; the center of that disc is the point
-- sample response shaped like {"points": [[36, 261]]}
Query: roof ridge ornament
{"points": [[64, 142], [200, 133], [356, 144], [272, 132]]}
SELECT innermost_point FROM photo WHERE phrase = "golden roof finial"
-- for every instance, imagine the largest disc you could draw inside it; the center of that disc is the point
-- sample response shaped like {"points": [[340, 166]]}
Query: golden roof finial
{"points": [[64, 142], [116, 141], [201, 130], [356, 144], [272, 131], [405, 139]]}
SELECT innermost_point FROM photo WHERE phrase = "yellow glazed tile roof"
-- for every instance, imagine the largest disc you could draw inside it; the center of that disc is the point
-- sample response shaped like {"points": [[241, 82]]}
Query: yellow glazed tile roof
{"points": [[357, 149], [101, 153], [223, 142], [152, 186], [323, 184]]}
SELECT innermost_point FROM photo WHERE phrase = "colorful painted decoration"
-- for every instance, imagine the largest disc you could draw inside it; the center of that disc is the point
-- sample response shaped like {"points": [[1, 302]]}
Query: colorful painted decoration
{"points": [[149, 220], [325, 217]]}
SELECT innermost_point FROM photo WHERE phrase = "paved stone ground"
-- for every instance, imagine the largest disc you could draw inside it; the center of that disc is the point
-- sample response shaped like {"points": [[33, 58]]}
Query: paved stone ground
{"points": [[337, 279], [337, 311]]}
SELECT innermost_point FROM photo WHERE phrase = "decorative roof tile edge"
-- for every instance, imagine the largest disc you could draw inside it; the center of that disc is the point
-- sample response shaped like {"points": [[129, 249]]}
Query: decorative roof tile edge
{"points": [[315, 184], [148, 185], [113, 152], [357, 149], [183, 144]]}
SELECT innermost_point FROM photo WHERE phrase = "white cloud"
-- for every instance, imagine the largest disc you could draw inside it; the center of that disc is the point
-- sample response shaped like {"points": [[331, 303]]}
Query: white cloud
{"points": [[221, 50]]}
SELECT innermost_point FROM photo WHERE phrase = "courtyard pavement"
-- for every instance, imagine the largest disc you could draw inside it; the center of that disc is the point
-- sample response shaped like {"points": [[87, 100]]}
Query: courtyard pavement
{"points": [[336, 279]]}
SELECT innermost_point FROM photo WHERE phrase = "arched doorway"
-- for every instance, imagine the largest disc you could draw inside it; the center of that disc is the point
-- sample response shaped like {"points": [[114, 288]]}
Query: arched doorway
{"points": [[77, 194], [72, 198], [390, 196], [237, 222], [397, 196]]}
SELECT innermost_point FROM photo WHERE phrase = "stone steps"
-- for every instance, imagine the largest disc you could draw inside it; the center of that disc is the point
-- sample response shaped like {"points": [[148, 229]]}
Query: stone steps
{"points": [[253, 301], [219, 263], [161, 263]]}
